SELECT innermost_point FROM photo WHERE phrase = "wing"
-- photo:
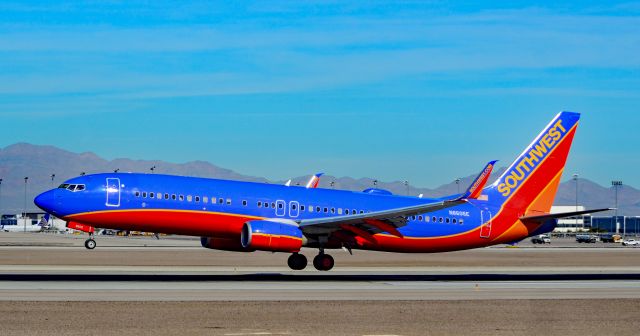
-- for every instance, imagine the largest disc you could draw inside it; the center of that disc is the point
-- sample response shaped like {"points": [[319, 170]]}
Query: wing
{"points": [[374, 222], [367, 224]]}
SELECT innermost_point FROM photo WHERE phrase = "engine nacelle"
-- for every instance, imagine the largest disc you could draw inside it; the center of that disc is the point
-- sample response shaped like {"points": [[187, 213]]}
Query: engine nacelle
{"points": [[223, 244], [271, 236]]}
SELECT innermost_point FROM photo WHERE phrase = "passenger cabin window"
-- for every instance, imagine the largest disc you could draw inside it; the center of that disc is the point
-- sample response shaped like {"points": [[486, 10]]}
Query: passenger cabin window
{"points": [[144, 194], [151, 195], [173, 197], [189, 198], [244, 203], [197, 199], [317, 209], [221, 201], [228, 201], [259, 204], [166, 196], [326, 210], [137, 194], [346, 211], [181, 197], [302, 208], [205, 199]]}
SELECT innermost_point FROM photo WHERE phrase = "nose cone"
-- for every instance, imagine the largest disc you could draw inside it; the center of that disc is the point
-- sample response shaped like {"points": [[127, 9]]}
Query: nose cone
{"points": [[46, 201]]}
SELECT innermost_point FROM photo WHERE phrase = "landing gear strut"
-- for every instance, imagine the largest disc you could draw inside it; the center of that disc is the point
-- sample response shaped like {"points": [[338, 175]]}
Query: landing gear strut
{"points": [[90, 244], [297, 262], [323, 262]]}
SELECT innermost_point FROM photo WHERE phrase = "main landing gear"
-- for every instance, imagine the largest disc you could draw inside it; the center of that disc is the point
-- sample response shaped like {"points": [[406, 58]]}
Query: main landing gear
{"points": [[322, 262], [297, 262], [90, 243]]}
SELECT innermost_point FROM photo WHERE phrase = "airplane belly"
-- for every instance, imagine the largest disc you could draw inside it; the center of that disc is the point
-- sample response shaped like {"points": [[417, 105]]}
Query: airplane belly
{"points": [[193, 223]]}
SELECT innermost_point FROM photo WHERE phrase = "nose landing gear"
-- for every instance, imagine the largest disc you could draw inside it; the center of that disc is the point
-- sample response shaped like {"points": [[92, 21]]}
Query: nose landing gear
{"points": [[90, 243]]}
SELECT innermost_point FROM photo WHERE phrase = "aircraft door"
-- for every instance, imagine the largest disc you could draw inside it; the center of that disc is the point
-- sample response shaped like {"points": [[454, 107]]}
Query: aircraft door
{"points": [[487, 218], [113, 192], [280, 208], [294, 209]]}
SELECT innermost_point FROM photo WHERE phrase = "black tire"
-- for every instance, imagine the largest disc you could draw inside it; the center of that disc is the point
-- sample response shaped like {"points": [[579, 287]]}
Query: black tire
{"points": [[90, 244], [297, 262], [323, 262]]}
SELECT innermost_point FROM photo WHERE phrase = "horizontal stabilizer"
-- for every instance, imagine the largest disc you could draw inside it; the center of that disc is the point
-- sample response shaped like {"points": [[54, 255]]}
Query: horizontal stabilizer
{"points": [[475, 189], [545, 217]]}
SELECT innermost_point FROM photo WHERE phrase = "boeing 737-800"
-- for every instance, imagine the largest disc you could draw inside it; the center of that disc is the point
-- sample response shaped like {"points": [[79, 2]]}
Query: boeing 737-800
{"points": [[247, 217]]}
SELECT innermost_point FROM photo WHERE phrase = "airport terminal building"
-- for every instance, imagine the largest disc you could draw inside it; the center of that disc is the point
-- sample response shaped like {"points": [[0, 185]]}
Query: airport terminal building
{"points": [[588, 223]]}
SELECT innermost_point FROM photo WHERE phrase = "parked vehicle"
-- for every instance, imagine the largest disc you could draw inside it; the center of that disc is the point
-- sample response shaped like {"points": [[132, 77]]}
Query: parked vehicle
{"points": [[589, 239], [541, 239], [631, 242], [611, 238]]}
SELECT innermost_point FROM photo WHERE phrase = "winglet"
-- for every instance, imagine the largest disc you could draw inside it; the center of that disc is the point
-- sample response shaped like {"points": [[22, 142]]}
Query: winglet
{"points": [[475, 189], [314, 180]]}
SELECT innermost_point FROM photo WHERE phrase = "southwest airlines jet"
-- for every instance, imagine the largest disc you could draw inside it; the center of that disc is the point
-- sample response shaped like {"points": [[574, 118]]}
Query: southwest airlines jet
{"points": [[247, 217]]}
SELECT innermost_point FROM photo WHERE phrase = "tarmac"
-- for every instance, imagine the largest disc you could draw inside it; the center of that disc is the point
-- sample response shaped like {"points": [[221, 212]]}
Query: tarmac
{"points": [[50, 284]]}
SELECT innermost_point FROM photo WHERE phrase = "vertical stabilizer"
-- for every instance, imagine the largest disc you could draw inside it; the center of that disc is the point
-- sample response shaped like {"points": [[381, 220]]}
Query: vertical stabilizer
{"points": [[531, 182]]}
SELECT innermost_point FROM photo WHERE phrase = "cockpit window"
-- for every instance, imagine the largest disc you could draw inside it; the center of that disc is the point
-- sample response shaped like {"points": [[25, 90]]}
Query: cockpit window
{"points": [[72, 187]]}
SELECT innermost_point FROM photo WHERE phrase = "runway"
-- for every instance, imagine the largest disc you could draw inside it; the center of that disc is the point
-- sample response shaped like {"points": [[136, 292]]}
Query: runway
{"points": [[141, 286]]}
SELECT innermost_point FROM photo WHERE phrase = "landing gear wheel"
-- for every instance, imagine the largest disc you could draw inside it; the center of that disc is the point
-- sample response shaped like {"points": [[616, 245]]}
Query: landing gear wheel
{"points": [[297, 262], [90, 244], [323, 262]]}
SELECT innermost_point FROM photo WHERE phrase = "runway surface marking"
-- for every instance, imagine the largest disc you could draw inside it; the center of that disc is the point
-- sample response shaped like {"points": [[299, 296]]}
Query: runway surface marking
{"points": [[311, 290]]}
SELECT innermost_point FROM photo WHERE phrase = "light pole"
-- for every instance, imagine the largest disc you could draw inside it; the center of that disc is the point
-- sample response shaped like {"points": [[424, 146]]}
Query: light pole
{"points": [[0, 196], [375, 182], [406, 184], [575, 179], [24, 213], [333, 183], [616, 185], [458, 184]]}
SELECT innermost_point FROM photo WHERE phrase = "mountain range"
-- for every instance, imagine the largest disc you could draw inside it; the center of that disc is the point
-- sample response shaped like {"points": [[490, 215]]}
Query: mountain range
{"points": [[40, 162]]}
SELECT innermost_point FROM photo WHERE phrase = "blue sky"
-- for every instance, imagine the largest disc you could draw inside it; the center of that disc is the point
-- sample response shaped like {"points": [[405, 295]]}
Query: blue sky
{"points": [[419, 90]]}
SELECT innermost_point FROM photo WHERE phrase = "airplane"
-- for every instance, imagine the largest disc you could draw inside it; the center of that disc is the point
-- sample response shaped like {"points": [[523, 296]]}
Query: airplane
{"points": [[246, 216]]}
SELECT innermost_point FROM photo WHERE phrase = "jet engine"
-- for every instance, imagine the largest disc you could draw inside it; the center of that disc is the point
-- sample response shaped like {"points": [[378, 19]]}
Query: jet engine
{"points": [[271, 236], [223, 244]]}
